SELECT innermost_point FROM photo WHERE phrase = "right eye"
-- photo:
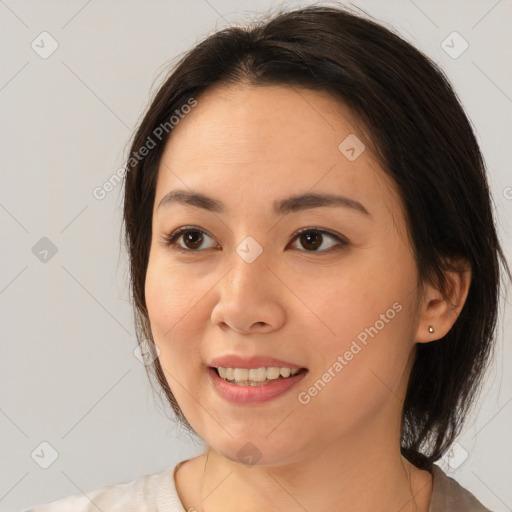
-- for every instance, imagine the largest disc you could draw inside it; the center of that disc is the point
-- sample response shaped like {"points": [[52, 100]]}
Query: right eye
{"points": [[191, 237]]}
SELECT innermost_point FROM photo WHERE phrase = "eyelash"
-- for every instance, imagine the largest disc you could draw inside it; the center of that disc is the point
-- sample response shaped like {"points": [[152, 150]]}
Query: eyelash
{"points": [[172, 239]]}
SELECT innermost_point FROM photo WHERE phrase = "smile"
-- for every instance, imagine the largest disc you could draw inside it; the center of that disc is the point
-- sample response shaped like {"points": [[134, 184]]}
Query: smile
{"points": [[255, 385], [255, 376]]}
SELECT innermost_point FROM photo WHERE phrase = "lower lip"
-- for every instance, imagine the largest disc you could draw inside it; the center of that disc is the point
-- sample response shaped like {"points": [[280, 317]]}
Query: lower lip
{"points": [[253, 394]]}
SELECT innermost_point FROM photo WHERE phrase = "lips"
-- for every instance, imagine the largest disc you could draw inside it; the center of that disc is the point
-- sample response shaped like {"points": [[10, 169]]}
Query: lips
{"points": [[235, 361], [251, 395]]}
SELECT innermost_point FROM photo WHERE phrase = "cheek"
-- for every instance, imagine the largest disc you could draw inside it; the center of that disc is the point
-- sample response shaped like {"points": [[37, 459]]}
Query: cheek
{"points": [[362, 357], [173, 307], [171, 294], [172, 300]]}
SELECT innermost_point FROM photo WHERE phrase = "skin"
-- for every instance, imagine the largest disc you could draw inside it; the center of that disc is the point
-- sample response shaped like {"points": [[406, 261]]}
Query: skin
{"points": [[248, 146]]}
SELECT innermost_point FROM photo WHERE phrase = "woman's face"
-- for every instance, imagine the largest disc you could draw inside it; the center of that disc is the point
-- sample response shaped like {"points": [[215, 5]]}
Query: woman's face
{"points": [[340, 301]]}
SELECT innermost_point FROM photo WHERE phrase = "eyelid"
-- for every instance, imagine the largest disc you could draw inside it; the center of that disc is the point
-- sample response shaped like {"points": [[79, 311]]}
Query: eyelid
{"points": [[171, 240]]}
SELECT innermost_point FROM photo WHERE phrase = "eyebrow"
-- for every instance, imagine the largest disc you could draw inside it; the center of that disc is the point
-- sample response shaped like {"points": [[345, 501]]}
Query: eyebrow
{"points": [[291, 204]]}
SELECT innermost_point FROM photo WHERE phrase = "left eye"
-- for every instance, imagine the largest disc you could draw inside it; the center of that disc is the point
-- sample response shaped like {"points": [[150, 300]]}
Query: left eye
{"points": [[310, 238], [314, 238]]}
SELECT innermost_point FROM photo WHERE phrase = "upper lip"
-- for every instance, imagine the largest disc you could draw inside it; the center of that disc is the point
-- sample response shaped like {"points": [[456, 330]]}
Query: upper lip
{"points": [[234, 361]]}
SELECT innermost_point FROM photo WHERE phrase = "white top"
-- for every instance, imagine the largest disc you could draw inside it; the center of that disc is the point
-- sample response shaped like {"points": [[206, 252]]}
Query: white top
{"points": [[157, 493], [148, 493]]}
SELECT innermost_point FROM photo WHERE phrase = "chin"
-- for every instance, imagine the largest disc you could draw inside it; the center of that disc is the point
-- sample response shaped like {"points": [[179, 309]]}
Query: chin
{"points": [[256, 450]]}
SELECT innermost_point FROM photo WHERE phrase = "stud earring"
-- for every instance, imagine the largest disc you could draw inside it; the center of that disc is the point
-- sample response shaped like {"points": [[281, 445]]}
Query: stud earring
{"points": [[431, 329]]}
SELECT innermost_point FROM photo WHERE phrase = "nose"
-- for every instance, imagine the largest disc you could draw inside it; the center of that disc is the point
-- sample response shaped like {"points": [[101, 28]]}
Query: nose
{"points": [[249, 298]]}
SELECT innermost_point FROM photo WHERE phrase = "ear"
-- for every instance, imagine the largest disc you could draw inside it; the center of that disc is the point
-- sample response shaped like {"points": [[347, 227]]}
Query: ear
{"points": [[440, 312]]}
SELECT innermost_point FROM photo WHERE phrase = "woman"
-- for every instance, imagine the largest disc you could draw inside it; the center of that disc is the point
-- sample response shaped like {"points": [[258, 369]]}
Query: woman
{"points": [[314, 255]]}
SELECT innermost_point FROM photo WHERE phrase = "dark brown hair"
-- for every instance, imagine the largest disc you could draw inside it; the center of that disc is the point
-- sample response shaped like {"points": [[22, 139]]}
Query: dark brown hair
{"points": [[423, 140]]}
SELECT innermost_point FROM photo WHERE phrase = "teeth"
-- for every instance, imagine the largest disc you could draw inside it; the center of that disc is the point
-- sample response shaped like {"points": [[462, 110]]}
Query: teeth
{"points": [[273, 373], [241, 374], [285, 372], [255, 376]]}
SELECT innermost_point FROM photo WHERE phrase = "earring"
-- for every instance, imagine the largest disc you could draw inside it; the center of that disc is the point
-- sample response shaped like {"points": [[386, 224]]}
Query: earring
{"points": [[431, 329]]}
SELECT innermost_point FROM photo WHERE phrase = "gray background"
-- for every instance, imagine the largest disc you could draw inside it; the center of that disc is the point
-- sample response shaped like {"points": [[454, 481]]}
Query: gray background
{"points": [[69, 374]]}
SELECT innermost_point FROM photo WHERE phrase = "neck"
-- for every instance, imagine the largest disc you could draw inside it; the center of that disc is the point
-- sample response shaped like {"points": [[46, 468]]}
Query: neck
{"points": [[340, 479]]}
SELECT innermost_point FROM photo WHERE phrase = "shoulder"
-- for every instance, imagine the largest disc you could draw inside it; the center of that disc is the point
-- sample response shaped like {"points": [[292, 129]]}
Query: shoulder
{"points": [[449, 496], [148, 492]]}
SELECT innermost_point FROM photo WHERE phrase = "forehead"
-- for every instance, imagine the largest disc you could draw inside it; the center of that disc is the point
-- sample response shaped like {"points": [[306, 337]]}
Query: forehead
{"points": [[260, 143], [237, 121]]}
